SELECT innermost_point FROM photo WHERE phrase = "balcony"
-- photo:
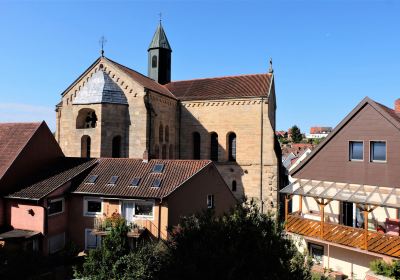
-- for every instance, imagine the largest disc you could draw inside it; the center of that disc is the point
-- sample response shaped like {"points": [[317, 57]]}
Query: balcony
{"points": [[103, 226], [375, 242]]}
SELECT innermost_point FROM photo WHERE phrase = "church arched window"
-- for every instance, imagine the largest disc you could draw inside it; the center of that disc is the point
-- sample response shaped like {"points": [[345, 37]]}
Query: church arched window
{"points": [[171, 151], [156, 151], [161, 133], [166, 133], [154, 61], [85, 146], [196, 145], [214, 146], [86, 119], [116, 147], [234, 186], [164, 152], [232, 146]]}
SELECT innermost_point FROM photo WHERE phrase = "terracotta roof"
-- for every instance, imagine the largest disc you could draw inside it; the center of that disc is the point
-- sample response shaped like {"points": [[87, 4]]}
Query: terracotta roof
{"points": [[13, 138], [223, 87], [144, 80], [175, 173], [52, 177]]}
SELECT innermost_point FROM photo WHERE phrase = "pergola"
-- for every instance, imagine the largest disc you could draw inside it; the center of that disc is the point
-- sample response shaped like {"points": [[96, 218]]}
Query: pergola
{"points": [[366, 197]]}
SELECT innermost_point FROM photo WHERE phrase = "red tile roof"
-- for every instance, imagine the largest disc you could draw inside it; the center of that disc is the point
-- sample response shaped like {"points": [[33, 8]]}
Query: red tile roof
{"points": [[175, 173], [13, 138], [223, 87], [144, 80], [52, 177]]}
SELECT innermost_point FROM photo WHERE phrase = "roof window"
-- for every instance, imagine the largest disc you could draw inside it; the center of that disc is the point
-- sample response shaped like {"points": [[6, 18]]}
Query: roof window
{"points": [[135, 182], [113, 180], [156, 183], [92, 179], [158, 168]]}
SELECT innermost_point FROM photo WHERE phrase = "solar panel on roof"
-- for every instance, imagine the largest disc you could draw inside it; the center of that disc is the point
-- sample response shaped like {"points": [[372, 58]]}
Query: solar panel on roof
{"points": [[92, 179], [158, 168], [135, 182], [156, 183], [113, 180]]}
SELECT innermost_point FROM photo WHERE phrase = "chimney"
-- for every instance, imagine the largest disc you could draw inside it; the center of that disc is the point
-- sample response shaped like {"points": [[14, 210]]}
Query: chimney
{"points": [[146, 156], [397, 105]]}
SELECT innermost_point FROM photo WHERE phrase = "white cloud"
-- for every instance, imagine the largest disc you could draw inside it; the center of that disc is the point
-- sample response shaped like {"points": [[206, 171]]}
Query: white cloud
{"points": [[19, 112]]}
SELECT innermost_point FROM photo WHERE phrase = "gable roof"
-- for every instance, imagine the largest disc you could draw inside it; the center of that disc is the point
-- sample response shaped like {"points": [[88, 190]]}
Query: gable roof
{"points": [[13, 138], [143, 80], [174, 174], [52, 177], [159, 40], [255, 85], [386, 112]]}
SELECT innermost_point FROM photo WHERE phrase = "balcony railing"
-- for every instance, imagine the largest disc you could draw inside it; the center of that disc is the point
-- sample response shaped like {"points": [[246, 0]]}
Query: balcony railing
{"points": [[348, 236], [102, 226]]}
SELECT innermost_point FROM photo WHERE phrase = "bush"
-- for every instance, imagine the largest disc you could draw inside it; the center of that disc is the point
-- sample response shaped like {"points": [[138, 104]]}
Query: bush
{"points": [[381, 267]]}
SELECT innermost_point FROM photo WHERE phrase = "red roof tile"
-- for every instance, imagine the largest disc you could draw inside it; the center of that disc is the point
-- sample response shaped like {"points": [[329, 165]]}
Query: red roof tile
{"points": [[174, 174], [223, 87], [13, 138], [144, 80], [52, 177]]}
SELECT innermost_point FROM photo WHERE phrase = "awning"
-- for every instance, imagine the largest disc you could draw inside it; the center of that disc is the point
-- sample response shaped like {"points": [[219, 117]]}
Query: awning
{"points": [[361, 194], [17, 234]]}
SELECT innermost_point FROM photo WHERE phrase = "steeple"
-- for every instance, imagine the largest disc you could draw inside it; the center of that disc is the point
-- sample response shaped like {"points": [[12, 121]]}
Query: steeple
{"points": [[159, 52]]}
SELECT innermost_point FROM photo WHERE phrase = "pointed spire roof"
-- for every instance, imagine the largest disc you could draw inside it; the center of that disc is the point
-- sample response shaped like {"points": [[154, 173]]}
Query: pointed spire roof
{"points": [[160, 40]]}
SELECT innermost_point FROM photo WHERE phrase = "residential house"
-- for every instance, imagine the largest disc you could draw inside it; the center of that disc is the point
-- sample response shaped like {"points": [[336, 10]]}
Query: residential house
{"points": [[346, 197]]}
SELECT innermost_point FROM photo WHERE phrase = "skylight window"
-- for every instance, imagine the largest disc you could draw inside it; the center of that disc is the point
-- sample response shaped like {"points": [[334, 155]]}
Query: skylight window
{"points": [[156, 183], [113, 180], [158, 168], [135, 182], [92, 179]]}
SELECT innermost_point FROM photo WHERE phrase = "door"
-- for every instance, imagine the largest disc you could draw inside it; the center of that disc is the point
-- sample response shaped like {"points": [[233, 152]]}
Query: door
{"points": [[128, 211], [347, 213]]}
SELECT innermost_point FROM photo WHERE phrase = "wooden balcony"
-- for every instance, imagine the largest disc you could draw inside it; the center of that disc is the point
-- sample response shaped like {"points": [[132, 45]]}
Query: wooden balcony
{"points": [[102, 227], [375, 242]]}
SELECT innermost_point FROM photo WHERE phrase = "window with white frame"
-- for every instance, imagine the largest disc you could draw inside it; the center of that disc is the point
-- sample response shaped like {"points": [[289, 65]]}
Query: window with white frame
{"points": [[55, 206], [210, 201], [356, 151], [378, 151], [56, 243], [92, 206], [91, 241], [137, 209]]}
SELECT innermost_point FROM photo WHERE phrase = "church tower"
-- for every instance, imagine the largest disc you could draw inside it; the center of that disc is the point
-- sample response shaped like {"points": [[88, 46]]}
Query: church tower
{"points": [[159, 64]]}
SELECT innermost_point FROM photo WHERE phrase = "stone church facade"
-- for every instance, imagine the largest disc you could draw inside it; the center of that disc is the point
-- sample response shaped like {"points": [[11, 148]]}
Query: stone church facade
{"points": [[114, 111]]}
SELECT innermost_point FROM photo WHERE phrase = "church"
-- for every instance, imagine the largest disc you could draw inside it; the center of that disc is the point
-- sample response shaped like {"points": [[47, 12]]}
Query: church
{"points": [[111, 110]]}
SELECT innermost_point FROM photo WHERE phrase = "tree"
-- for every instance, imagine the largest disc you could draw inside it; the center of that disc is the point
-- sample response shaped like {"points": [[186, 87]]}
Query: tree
{"points": [[296, 134], [244, 244]]}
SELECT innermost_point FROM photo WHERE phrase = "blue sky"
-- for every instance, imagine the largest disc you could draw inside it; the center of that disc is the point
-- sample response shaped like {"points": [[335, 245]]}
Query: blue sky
{"points": [[327, 55]]}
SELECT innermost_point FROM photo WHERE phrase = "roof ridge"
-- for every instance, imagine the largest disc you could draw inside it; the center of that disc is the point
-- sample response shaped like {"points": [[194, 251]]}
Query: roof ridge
{"points": [[220, 77], [21, 123]]}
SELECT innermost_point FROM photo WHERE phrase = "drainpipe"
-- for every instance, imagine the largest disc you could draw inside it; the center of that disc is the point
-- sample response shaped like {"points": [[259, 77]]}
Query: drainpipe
{"points": [[159, 219], [261, 156], [179, 128]]}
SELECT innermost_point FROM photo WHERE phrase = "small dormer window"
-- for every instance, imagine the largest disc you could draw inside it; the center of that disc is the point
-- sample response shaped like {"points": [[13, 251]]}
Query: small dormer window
{"points": [[156, 183], [158, 168], [92, 179], [113, 180], [135, 182]]}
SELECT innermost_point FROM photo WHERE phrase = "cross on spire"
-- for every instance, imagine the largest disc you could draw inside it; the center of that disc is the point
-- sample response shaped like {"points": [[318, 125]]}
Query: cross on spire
{"points": [[160, 15], [102, 42], [270, 70]]}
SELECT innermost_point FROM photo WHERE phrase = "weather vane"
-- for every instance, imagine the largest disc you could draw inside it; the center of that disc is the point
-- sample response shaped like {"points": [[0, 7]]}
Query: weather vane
{"points": [[270, 70], [160, 15], [102, 42]]}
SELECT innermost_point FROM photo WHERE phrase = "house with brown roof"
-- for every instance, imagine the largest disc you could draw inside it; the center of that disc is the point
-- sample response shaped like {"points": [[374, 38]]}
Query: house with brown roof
{"points": [[111, 110], [344, 203], [47, 199]]}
